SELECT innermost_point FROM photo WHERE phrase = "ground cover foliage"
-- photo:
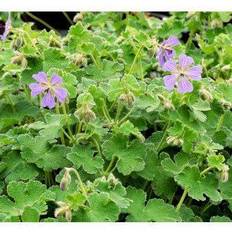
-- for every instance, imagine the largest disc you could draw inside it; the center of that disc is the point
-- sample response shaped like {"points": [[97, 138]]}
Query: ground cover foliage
{"points": [[94, 126]]}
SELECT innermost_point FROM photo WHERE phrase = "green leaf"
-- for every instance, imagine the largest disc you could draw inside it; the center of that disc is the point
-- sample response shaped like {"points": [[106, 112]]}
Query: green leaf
{"points": [[220, 219], [130, 156], [159, 211], [30, 215], [31, 194], [182, 160], [216, 161], [138, 197], [199, 186], [83, 156], [101, 208]]}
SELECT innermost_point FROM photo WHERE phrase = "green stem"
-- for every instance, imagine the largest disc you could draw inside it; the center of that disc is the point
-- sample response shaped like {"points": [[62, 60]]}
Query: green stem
{"points": [[126, 116], [163, 137], [206, 207], [42, 22], [107, 171], [97, 145], [67, 17], [79, 180], [135, 59], [181, 200], [106, 113], [186, 191], [119, 110], [61, 134], [66, 119], [205, 170]]}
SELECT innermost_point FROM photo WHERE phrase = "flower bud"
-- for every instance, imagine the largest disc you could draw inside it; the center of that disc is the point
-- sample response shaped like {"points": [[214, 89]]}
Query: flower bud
{"points": [[154, 42], [85, 113], [78, 17], [65, 181], [227, 105], [54, 42], [206, 95], [112, 180], [17, 43], [166, 102], [226, 68], [63, 209], [224, 174], [79, 59], [174, 141], [127, 98], [20, 60], [216, 23]]}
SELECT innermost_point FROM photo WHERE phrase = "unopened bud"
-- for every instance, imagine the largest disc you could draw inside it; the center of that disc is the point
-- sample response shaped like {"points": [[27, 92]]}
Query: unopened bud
{"points": [[78, 17], [54, 42], [112, 179], [226, 68], [127, 98], [17, 43], [65, 181], [174, 141], [79, 59], [85, 113], [216, 23], [224, 174], [63, 209], [154, 42], [206, 95], [227, 105], [20, 60], [166, 102]]}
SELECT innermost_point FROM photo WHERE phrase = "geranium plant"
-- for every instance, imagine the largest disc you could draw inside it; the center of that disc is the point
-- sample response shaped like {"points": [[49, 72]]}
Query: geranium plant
{"points": [[126, 117]]}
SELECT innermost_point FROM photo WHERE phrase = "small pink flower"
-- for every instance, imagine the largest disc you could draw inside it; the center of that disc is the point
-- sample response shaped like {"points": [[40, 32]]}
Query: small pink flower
{"points": [[182, 73], [52, 89]]}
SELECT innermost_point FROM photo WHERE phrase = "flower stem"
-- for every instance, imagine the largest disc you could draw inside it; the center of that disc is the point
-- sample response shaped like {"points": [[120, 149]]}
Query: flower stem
{"points": [[126, 116], [135, 59], [118, 112], [61, 134], [66, 118], [181, 200], [68, 18], [107, 171], [106, 113], [82, 187], [163, 137], [42, 22]]}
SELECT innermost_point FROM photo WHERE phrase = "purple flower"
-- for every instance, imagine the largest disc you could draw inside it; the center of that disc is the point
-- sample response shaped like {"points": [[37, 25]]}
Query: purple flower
{"points": [[6, 29], [181, 74], [51, 89], [166, 51]]}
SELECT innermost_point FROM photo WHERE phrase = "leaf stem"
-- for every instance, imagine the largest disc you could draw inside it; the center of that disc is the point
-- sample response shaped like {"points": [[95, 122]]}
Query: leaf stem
{"points": [[186, 191], [181, 200], [205, 170]]}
